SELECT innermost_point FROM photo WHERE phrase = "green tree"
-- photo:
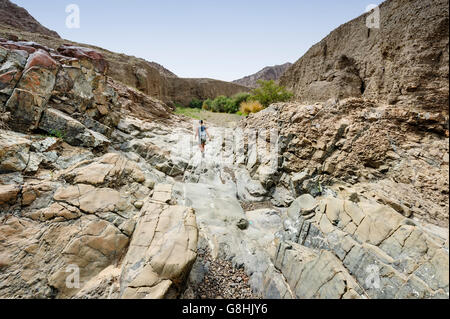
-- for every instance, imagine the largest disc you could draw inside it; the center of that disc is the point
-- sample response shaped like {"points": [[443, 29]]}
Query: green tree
{"points": [[196, 104], [269, 92]]}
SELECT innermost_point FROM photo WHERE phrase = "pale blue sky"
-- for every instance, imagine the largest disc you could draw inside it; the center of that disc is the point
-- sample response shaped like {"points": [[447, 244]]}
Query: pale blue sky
{"points": [[223, 40]]}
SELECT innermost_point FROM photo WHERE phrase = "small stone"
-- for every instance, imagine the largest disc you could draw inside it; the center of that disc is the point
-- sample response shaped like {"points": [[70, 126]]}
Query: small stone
{"points": [[384, 169], [354, 197], [243, 224], [138, 204]]}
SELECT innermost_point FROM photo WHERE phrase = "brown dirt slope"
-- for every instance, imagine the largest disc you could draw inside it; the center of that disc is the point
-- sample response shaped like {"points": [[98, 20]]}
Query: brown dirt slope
{"points": [[17, 17]]}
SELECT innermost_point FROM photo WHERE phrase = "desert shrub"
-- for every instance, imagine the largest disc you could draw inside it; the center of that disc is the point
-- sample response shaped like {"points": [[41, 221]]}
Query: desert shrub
{"points": [[207, 105], [57, 133], [251, 107], [196, 104], [224, 104], [218, 104], [269, 92]]}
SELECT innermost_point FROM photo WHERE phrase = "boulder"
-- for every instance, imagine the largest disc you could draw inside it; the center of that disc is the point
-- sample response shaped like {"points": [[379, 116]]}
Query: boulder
{"points": [[162, 193], [161, 253], [93, 248], [248, 189], [109, 170], [303, 205], [89, 199], [26, 109], [41, 59], [11, 70], [57, 247], [14, 151], [8, 194], [32, 92], [282, 197], [72, 131], [89, 58], [242, 224]]}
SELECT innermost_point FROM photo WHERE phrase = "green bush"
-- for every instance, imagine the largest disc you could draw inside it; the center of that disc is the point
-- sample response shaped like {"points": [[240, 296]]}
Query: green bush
{"points": [[269, 92], [231, 106], [57, 134], [196, 104], [224, 104], [207, 105], [241, 97]]}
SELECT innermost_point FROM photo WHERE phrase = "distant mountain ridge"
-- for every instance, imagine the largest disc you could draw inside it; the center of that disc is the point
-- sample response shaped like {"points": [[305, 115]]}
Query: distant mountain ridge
{"points": [[266, 74], [17, 17]]}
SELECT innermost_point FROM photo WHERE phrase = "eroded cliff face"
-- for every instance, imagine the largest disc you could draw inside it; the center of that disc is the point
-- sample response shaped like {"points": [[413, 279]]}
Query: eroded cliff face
{"points": [[404, 62], [184, 90]]}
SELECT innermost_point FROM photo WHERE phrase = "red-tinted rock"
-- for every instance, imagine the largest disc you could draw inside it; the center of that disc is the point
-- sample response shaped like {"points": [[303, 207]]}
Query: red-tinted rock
{"points": [[97, 60], [7, 78], [33, 45], [11, 70], [42, 59], [14, 46]]}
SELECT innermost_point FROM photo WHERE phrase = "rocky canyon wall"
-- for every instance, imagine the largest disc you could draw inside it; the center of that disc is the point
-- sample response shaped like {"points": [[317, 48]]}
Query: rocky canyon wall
{"points": [[404, 62]]}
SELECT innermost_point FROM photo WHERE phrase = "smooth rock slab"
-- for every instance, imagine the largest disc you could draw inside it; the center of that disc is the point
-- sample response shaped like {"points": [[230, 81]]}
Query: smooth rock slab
{"points": [[89, 199], [161, 253]]}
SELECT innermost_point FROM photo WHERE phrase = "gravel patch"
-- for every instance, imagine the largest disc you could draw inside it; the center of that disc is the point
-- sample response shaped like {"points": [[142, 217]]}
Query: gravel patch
{"points": [[220, 280]]}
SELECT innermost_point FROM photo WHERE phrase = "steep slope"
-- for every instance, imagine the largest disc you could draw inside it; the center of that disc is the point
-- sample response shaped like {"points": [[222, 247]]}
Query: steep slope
{"points": [[405, 61], [14, 16], [268, 73], [150, 78]]}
